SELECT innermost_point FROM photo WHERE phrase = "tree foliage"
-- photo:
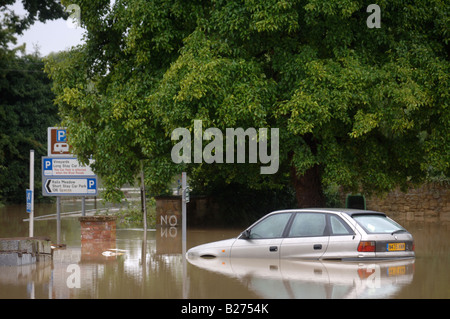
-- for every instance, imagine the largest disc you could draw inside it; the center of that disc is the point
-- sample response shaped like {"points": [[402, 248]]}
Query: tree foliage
{"points": [[364, 108], [26, 100], [26, 110]]}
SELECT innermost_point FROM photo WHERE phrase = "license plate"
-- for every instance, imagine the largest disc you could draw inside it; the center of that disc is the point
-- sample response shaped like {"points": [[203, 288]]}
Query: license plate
{"points": [[396, 271], [395, 246]]}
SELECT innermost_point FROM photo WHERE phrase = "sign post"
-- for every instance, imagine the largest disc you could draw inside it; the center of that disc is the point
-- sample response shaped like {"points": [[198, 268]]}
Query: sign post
{"points": [[184, 201], [63, 174], [144, 205], [58, 220], [30, 195], [183, 207], [83, 206]]}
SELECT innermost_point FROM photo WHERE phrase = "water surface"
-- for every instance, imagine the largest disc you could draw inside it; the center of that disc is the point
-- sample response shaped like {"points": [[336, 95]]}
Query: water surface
{"points": [[151, 265]]}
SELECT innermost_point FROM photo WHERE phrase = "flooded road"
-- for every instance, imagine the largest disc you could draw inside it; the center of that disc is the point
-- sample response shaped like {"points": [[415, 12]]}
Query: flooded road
{"points": [[151, 265]]}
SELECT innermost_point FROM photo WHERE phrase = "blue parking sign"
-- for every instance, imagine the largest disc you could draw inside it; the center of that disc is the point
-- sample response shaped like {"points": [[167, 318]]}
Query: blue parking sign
{"points": [[48, 166], [61, 135], [29, 200], [91, 185]]}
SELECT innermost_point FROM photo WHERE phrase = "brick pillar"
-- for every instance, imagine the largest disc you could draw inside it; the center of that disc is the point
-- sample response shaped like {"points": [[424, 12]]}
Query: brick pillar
{"points": [[98, 234], [98, 228]]}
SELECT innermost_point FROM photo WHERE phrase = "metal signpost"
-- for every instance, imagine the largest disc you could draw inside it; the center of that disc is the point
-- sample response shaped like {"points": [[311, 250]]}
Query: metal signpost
{"points": [[184, 201], [63, 175], [30, 195]]}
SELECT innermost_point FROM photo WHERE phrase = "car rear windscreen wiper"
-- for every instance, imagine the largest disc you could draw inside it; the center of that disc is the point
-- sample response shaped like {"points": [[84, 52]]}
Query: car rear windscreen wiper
{"points": [[399, 231]]}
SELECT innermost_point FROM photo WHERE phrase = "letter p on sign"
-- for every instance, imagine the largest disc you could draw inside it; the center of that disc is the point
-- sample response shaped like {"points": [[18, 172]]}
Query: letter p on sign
{"points": [[91, 185], [47, 164], [60, 135]]}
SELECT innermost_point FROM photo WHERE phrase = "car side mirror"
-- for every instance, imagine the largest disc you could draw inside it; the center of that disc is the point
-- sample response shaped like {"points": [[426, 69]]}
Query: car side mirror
{"points": [[245, 234]]}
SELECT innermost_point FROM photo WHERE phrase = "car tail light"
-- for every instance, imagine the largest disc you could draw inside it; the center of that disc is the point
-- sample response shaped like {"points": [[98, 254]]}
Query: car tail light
{"points": [[365, 273], [366, 246]]}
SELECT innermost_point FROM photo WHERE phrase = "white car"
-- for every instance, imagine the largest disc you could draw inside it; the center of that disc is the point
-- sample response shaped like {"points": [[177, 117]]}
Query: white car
{"points": [[325, 234]]}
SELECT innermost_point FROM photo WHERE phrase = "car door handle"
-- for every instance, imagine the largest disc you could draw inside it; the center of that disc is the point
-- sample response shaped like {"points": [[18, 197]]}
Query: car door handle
{"points": [[317, 246], [273, 248]]}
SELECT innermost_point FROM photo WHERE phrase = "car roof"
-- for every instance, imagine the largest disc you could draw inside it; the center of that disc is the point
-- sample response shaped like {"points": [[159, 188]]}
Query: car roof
{"points": [[348, 211]]}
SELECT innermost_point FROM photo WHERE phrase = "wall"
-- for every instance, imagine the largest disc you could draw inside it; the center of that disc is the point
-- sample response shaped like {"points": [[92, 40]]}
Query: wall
{"points": [[200, 211], [428, 203], [168, 211]]}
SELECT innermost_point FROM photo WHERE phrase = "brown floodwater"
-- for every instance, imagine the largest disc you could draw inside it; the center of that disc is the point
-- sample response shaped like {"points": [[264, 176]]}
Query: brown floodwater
{"points": [[152, 265]]}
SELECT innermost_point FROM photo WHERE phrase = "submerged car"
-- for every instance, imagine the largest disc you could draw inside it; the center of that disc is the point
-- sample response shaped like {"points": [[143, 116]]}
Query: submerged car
{"points": [[324, 234]]}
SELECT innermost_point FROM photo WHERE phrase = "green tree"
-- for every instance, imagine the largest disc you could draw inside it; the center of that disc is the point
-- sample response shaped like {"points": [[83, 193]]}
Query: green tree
{"points": [[26, 106], [365, 108], [26, 110]]}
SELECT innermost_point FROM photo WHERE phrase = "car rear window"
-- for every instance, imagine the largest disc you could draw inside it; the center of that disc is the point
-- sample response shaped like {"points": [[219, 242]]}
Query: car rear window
{"points": [[377, 223]]}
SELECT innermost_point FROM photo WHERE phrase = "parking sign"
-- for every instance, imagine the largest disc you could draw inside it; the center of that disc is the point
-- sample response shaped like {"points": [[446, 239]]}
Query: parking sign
{"points": [[29, 200], [62, 174], [65, 166], [61, 135], [57, 144], [69, 186]]}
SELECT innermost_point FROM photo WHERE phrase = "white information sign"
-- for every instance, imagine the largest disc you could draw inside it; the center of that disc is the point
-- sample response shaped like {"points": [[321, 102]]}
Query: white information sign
{"points": [[67, 186], [65, 167]]}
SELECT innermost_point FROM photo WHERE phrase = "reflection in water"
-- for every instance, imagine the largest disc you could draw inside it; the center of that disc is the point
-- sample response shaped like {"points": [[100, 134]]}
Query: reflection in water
{"points": [[293, 279], [142, 271], [152, 266]]}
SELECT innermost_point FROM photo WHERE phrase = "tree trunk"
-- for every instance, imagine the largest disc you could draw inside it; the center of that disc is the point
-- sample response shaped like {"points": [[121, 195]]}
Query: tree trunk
{"points": [[308, 188]]}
